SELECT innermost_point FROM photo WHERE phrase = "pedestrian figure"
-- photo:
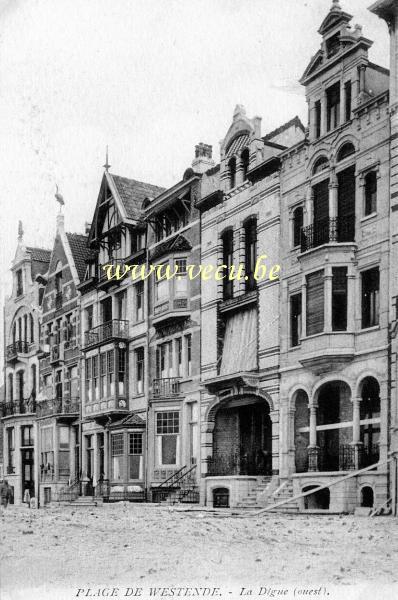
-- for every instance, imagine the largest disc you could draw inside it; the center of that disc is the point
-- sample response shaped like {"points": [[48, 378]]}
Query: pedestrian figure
{"points": [[5, 495], [26, 497]]}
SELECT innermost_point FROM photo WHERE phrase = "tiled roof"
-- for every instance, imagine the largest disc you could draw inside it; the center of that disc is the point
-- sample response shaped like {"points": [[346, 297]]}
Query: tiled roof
{"points": [[131, 420], [176, 244], [80, 252], [39, 254], [293, 122], [133, 193]]}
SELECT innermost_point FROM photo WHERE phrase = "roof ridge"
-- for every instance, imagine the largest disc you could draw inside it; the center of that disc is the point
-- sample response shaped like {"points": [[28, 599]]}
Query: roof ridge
{"points": [[294, 121]]}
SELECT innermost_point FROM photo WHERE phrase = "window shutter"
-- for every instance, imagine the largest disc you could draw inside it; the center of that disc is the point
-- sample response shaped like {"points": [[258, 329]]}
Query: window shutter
{"points": [[315, 303]]}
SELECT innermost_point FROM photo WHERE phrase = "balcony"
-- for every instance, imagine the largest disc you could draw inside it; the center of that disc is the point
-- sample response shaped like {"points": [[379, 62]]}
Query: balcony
{"points": [[59, 406], [328, 231], [166, 387], [170, 310], [116, 329], [15, 349], [18, 407]]}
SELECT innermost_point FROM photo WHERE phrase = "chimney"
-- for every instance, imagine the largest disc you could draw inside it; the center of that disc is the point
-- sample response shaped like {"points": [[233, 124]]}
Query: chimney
{"points": [[87, 227], [203, 158]]}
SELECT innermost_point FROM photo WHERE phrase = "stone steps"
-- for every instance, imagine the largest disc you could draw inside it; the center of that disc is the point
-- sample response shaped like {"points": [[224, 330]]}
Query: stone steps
{"points": [[84, 501]]}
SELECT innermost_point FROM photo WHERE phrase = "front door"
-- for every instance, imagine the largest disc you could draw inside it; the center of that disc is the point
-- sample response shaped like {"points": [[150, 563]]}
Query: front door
{"points": [[28, 482], [255, 440]]}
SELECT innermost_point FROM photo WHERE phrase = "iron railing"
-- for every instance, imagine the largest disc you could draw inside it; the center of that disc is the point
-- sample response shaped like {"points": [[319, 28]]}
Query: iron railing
{"points": [[326, 231], [16, 348], [249, 463], [117, 328], [165, 387], [58, 406], [18, 407], [178, 488], [347, 457]]}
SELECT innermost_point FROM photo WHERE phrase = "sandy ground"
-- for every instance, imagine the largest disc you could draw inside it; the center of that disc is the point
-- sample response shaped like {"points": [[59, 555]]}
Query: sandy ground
{"points": [[144, 545]]}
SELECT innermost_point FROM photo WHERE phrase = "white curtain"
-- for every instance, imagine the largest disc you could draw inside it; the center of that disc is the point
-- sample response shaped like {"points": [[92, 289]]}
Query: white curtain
{"points": [[240, 343]]}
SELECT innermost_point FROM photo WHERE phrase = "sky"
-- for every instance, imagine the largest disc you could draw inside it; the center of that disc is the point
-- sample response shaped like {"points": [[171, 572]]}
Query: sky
{"points": [[148, 78]]}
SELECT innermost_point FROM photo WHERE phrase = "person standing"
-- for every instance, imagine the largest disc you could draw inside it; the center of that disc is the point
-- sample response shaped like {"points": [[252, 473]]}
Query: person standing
{"points": [[5, 495]]}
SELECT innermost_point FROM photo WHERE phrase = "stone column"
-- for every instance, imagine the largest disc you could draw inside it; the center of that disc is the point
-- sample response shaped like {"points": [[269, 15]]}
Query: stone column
{"points": [[356, 432], [324, 112], [274, 416], [342, 101], [313, 448], [328, 299], [384, 422], [309, 206], [95, 459], [72, 458], [303, 307], [106, 454], [350, 299], [56, 453]]}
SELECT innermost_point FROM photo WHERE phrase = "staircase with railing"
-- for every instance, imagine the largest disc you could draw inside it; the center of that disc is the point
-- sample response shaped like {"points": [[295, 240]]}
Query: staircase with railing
{"points": [[181, 487], [68, 493]]}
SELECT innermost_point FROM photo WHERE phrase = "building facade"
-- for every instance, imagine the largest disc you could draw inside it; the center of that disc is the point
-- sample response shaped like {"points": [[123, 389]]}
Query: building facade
{"points": [[21, 370]]}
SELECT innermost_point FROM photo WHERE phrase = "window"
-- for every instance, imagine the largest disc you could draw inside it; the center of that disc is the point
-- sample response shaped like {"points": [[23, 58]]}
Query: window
{"points": [[122, 372], [32, 329], [179, 357], [370, 298], [27, 435], [58, 282], [315, 303], [25, 328], [232, 172], [345, 151], [321, 165], [10, 387], [110, 357], [333, 106], [348, 100], [33, 381], [140, 369], [180, 282], [89, 317], [297, 226], [121, 306], [228, 257], [162, 285], [193, 432], [164, 360], [137, 241], [19, 283], [333, 45], [339, 298], [47, 449], [117, 446], [103, 374], [139, 301], [188, 341], [250, 254], [135, 456], [89, 380], [370, 193], [10, 449], [58, 385], [95, 377], [167, 430], [20, 385], [63, 454], [245, 158], [318, 116], [295, 320]]}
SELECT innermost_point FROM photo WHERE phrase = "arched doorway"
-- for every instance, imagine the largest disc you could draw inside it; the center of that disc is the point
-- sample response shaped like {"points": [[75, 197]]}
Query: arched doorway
{"points": [[367, 497], [334, 427], [242, 439], [301, 431], [370, 422]]}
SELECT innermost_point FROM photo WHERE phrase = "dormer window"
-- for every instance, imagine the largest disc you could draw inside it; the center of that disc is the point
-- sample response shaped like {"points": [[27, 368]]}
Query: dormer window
{"points": [[232, 172], [19, 283], [333, 45], [245, 159], [333, 106]]}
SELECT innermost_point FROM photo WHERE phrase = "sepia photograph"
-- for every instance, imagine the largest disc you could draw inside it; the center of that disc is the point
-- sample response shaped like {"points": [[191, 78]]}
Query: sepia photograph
{"points": [[199, 372]]}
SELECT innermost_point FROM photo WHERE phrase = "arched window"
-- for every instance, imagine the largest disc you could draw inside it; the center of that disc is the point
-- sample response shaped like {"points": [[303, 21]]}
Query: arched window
{"points": [[297, 225], [32, 328], [321, 165], [250, 253], [34, 380], [232, 172], [345, 151], [19, 329], [228, 257], [10, 387], [20, 385], [370, 193], [245, 158], [14, 332], [25, 328]]}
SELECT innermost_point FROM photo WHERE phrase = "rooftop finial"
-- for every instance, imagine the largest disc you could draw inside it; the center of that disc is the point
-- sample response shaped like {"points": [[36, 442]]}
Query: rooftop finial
{"points": [[336, 5], [59, 198], [107, 165], [20, 231]]}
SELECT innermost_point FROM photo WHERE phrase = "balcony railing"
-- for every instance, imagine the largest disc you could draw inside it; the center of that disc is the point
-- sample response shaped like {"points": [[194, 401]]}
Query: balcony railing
{"points": [[18, 407], [251, 463], [58, 406], [166, 387], [116, 328], [16, 348], [326, 231], [346, 457]]}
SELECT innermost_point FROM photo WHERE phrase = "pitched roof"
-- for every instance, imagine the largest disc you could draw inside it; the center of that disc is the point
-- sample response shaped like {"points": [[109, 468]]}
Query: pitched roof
{"points": [[132, 193], [179, 243], [80, 252], [295, 122], [131, 420], [39, 254]]}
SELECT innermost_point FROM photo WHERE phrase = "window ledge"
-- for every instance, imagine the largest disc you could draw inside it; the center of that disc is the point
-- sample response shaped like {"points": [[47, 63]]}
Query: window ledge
{"points": [[368, 217], [368, 329]]}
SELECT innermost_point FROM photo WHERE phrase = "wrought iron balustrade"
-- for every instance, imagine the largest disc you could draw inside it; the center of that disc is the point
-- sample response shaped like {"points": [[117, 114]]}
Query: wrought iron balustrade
{"points": [[18, 407], [165, 387], [58, 406], [117, 328], [19, 347], [326, 231], [253, 463]]}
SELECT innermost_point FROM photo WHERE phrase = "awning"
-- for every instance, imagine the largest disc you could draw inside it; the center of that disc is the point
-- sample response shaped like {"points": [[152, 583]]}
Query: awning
{"points": [[240, 343]]}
